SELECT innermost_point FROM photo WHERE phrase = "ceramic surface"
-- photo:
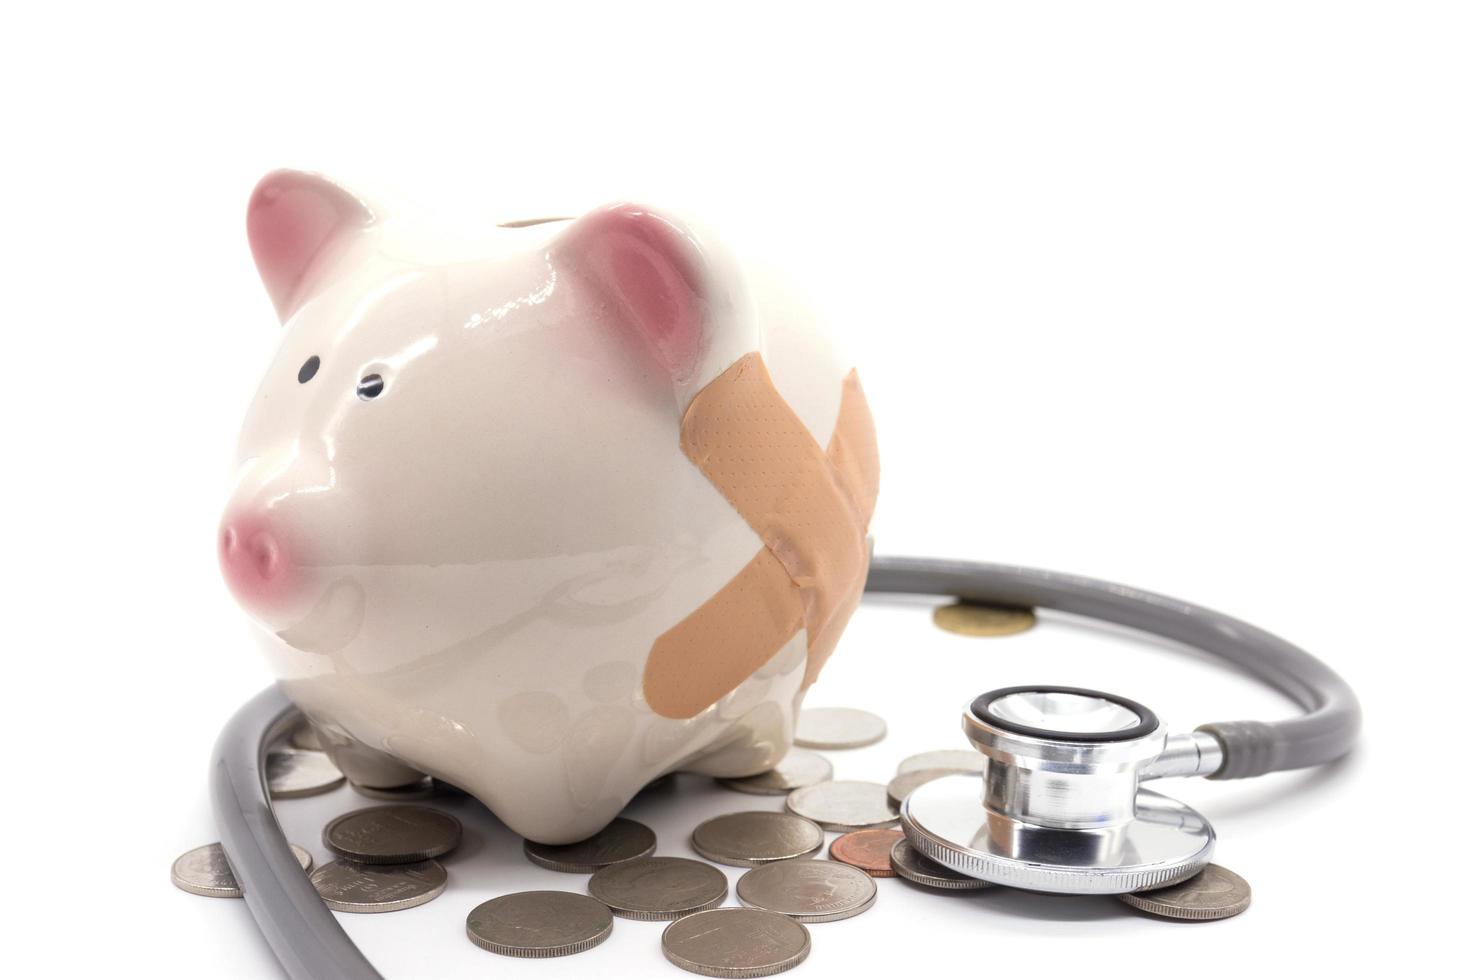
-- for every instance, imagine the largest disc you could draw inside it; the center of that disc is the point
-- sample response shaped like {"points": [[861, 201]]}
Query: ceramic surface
{"points": [[462, 514]]}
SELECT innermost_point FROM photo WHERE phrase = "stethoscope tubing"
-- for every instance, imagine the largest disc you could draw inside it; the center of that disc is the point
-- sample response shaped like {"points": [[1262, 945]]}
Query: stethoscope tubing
{"points": [[298, 926], [312, 945], [1326, 730]]}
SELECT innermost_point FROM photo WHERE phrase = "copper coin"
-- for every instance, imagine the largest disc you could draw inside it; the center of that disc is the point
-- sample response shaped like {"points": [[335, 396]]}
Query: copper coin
{"points": [[867, 849]]}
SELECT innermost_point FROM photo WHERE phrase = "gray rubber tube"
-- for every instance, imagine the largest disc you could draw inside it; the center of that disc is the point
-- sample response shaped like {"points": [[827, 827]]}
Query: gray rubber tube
{"points": [[298, 926], [1332, 717]]}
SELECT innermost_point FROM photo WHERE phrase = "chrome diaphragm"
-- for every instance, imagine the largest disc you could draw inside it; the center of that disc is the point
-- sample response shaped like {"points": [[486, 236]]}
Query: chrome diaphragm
{"points": [[1058, 807]]}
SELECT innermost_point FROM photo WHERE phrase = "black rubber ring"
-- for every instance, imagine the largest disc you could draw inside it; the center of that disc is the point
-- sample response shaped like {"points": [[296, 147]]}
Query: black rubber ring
{"points": [[1148, 722]]}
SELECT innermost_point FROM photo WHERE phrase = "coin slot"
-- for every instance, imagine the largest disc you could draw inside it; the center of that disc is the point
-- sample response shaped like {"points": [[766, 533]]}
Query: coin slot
{"points": [[529, 222]]}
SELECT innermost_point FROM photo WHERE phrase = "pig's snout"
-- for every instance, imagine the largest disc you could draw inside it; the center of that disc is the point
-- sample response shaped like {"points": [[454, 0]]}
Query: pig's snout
{"points": [[256, 562]]}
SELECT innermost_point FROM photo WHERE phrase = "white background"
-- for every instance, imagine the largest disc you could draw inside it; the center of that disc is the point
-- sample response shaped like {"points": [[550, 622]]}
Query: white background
{"points": [[1169, 293]]}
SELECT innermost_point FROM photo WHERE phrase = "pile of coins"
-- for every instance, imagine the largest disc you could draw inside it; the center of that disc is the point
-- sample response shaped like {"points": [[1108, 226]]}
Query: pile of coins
{"points": [[384, 854], [385, 861], [385, 858]]}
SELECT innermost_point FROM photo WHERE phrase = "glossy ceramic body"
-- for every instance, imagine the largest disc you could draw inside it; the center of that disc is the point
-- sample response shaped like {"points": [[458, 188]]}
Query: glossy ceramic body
{"points": [[459, 568]]}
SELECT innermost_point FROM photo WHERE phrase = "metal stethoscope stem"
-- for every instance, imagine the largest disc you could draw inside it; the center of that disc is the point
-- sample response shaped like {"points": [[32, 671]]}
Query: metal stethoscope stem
{"points": [[1059, 806]]}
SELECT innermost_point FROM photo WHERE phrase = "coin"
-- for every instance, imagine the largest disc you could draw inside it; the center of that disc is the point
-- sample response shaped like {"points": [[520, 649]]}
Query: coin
{"points": [[349, 887], [797, 769], [847, 804], [658, 887], [953, 760], [304, 736], [538, 924], [205, 871], [1214, 893], [756, 837], [900, 786], [291, 774], [866, 849], [421, 790], [736, 943], [621, 840], [808, 891], [908, 863], [977, 619], [400, 834], [838, 728]]}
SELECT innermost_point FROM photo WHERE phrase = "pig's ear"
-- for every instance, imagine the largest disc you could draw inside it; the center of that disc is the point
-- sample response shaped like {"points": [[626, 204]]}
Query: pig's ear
{"points": [[667, 286], [296, 222]]}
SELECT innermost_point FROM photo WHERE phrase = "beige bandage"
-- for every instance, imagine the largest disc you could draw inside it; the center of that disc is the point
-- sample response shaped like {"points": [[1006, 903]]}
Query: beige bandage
{"points": [[810, 508]]}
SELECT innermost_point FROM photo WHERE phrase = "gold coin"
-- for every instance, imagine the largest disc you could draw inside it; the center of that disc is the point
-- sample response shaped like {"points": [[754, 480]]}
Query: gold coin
{"points": [[974, 619]]}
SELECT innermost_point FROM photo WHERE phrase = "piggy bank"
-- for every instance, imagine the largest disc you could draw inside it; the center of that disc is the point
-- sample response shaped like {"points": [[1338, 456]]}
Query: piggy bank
{"points": [[545, 509]]}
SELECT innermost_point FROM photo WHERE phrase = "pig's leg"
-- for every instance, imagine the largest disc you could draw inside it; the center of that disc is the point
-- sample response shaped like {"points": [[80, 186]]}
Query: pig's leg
{"points": [[366, 766]]}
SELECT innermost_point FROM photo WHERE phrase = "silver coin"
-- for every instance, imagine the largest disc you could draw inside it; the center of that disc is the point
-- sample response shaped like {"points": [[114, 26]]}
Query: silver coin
{"points": [[900, 786], [349, 887], [1214, 893], [736, 943], [658, 887], [756, 837], [398, 834], [621, 840], [847, 804], [838, 728], [205, 871], [291, 774], [954, 760], [538, 924], [808, 891], [908, 863], [304, 736], [421, 790], [799, 768]]}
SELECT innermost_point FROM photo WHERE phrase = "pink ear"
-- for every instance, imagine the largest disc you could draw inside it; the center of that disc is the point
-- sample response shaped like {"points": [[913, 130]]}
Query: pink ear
{"points": [[652, 272], [294, 220]]}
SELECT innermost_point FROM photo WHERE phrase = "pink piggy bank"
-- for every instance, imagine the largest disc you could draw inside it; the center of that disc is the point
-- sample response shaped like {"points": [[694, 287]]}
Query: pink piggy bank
{"points": [[546, 509]]}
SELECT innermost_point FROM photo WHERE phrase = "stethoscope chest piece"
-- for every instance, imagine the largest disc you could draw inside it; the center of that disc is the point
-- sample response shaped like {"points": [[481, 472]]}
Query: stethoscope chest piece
{"points": [[1058, 807]]}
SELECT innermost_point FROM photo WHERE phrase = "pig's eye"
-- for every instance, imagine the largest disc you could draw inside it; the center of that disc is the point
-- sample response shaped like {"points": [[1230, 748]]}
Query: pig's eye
{"points": [[308, 370], [370, 387]]}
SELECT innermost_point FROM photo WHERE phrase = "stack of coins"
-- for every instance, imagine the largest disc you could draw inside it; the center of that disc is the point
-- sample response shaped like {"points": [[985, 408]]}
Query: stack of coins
{"points": [[296, 766], [385, 861], [385, 856]]}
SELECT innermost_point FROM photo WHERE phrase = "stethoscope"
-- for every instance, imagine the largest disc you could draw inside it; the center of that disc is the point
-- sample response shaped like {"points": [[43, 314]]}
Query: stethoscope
{"points": [[1058, 807]]}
